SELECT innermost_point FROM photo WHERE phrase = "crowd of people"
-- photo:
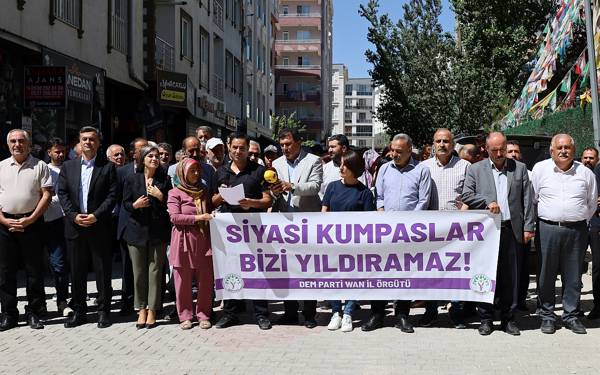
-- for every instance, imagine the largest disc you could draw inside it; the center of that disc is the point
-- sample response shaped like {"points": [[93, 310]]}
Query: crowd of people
{"points": [[154, 206]]}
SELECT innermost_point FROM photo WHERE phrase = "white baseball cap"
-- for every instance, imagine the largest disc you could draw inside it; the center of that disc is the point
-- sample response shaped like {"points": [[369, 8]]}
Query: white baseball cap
{"points": [[214, 142]]}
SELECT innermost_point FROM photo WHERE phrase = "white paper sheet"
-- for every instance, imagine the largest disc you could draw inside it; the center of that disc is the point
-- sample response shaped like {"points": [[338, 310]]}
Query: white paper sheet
{"points": [[233, 195]]}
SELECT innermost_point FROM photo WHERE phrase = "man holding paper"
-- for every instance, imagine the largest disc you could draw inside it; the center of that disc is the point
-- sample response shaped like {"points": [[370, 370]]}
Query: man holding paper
{"points": [[255, 198], [300, 177]]}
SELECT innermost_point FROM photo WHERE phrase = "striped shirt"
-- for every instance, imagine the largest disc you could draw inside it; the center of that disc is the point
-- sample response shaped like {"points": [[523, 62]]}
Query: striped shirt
{"points": [[403, 189], [446, 183]]}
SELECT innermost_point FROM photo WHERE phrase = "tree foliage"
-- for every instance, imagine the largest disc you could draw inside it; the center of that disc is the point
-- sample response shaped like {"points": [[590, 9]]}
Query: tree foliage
{"points": [[291, 122], [412, 59], [463, 82]]}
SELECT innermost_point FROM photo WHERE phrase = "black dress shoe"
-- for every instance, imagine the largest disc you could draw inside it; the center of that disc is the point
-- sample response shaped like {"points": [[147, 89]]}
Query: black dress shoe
{"points": [[485, 328], [263, 323], [428, 318], [75, 319], [372, 324], [310, 323], [151, 325], [548, 327], [7, 322], [404, 324], [575, 326], [226, 321], [286, 320], [34, 322], [511, 328], [140, 325], [594, 314], [103, 320]]}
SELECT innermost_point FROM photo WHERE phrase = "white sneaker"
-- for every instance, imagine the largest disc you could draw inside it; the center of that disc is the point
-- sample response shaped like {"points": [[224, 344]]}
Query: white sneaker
{"points": [[335, 323], [347, 323]]}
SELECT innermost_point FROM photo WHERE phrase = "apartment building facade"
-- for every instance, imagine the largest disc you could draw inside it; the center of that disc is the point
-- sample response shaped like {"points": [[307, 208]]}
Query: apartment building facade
{"points": [[354, 106], [68, 63], [303, 69]]}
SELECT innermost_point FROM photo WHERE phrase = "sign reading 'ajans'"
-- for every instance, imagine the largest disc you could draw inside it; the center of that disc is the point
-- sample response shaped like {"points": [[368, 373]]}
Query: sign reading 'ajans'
{"points": [[172, 89]]}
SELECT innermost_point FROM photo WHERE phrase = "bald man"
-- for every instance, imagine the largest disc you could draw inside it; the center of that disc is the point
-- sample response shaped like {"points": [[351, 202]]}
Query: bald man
{"points": [[501, 185], [469, 153], [566, 195]]}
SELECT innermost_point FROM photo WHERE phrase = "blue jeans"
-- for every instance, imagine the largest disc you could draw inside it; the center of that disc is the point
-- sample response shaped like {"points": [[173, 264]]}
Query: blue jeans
{"points": [[57, 251], [336, 307]]}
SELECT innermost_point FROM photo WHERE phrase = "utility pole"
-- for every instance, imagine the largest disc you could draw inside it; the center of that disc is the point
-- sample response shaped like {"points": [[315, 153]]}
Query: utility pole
{"points": [[589, 25]]}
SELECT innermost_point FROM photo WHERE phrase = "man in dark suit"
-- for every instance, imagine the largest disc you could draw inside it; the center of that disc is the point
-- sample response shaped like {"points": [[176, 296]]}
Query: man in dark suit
{"points": [[87, 190], [123, 217], [502, 186]]}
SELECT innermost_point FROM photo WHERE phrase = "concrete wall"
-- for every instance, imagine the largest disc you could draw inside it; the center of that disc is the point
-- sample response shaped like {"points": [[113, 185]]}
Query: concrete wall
{"points": [[32, 23]]}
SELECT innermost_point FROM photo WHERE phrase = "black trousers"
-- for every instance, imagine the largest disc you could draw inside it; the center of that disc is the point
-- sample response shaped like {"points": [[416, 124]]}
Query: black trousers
{"points": [[507, 278], [595, 246], [26, 249], [524, 272], [401, 308], [310, 309], [98, 248], [234, 306]]}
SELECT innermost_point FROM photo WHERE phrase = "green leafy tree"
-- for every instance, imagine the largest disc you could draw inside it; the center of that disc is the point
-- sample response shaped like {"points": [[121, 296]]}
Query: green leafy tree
{"points": [[464, 82], [495, 39], [283, 121], [413, 59]]}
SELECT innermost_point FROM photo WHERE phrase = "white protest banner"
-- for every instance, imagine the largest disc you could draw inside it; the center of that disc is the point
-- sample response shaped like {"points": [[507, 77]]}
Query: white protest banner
{"points": [[424, 255]]}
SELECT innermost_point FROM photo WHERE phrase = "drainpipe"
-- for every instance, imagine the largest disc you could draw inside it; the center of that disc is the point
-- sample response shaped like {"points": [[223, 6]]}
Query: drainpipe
{"points": [[132, 73]]}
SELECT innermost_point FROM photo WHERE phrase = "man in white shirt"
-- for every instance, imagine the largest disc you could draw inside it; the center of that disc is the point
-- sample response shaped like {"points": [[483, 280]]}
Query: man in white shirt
{"points": [[338, 145], [566, 195], [54, 227], [447, 179]]}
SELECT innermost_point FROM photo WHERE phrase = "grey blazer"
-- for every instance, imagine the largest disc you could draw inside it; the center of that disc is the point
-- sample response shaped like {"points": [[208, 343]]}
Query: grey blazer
{"points": [[307, 183], [480, 190]]}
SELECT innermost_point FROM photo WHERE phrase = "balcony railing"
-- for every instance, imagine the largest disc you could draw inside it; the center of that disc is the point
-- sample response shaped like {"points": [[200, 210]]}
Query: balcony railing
{"points": [[68, 11], [218, 13], [298, 41], [307, 67], [313, 14], [300, 95], [217, 87], [164, 55]]}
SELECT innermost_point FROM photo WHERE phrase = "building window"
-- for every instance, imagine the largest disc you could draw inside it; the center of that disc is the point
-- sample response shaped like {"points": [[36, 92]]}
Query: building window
{"points": [[249, 46], [362, 143], [186, 36], [228, 70], [286, 35], [118, 25], [303, 60], [218, 67], [347, 117], [362, 117], [302, 34], [364, 131], [237, 76], [218, 13], [348, 131], [303, 10], [286, 61], [204, 58], [68, 11], [348, 103], [364, 90], [286, 10], [348, 90]]}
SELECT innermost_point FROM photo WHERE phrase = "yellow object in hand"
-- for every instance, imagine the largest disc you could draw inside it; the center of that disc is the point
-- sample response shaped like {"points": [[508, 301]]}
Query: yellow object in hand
{"points": [[271, 176]]}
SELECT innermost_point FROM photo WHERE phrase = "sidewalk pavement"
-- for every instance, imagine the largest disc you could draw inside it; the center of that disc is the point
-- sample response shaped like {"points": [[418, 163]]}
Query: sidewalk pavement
{"points": [[440, 349]]}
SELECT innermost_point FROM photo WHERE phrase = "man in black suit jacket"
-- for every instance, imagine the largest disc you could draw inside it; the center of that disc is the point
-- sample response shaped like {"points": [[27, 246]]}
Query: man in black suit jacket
{"points": [[123, 218], [87, 191]]}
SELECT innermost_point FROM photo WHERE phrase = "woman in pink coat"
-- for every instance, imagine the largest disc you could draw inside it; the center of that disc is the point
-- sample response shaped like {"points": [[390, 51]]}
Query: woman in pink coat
{"points": [[190, 254]]}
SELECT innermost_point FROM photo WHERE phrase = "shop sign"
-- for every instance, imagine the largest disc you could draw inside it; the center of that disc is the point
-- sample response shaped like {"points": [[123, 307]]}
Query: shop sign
{"points": [[45, 87], [172, 88], [84, 82]]}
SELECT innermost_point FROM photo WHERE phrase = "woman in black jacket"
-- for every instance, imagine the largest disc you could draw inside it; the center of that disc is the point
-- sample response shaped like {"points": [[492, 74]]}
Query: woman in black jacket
{"points": [[147, 232]]}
